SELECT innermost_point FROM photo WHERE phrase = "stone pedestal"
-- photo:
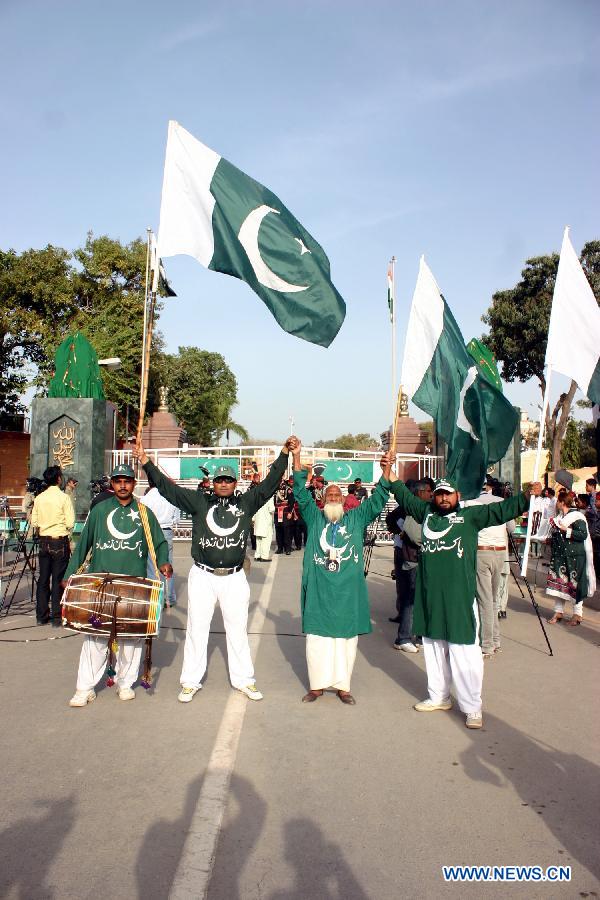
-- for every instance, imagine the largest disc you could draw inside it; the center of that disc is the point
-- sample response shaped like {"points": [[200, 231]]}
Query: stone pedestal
{"points": [[76, 434], [162, 430], [409, 439]]}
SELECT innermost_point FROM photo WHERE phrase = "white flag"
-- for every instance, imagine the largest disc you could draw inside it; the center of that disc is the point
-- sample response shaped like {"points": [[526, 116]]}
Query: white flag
{"points": [[574, 334]]}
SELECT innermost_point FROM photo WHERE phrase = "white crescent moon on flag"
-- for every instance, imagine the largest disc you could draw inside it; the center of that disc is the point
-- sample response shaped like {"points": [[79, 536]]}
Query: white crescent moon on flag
{"points": [[348, 473], [461, 420], [325, 545], [120, 535], [248, 238], [434, 535], [217, 529]]}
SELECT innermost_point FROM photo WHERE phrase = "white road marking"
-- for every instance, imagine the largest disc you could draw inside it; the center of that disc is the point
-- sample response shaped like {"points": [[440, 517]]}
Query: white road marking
{"points": [[198, 855]]}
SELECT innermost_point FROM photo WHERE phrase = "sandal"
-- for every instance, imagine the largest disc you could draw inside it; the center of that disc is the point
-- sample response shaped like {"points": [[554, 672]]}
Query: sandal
{"points": [[575, 620], [556, 618]]}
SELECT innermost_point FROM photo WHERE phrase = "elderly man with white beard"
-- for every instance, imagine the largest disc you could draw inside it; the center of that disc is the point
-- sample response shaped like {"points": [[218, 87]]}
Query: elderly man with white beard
{"points": [[334, 599]]}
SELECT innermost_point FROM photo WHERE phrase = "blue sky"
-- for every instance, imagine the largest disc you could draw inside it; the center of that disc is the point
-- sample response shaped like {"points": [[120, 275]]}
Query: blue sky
{"points": [[467, 131]]}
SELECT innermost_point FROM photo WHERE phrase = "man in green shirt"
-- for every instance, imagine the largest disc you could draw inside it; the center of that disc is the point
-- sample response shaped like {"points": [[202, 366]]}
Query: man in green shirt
{"points": [[114, 533], [334, 599], [221, 523], [445, 611]]}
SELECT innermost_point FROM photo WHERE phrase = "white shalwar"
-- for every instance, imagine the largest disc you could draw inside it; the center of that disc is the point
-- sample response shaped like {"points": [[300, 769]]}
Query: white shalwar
{"points": [[232, 592], [330, 661], [459, 663], [92, 662]]}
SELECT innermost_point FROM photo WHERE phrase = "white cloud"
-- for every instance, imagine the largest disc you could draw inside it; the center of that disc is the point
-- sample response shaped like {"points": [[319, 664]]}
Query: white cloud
{"points": [[188, 34]]}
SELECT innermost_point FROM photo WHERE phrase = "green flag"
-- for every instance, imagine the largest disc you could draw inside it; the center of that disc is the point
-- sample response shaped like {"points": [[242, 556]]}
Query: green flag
{"points": [[230, 223], [471, 415], [486, 362]]}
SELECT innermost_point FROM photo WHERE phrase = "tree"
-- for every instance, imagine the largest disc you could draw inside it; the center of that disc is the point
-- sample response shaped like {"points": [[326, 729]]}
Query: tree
{"points": [[36, 300], [519, 318], [571, 446], [46, 294], [362, 441], [202, 393]]}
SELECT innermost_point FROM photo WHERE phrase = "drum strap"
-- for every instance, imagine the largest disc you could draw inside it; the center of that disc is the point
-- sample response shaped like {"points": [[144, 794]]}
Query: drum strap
{"points": [[146, 681], [146, 526]]}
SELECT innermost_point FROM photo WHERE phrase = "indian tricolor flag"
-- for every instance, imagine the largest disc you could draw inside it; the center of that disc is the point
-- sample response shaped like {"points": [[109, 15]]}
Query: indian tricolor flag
{"points": [[232, 224], [390, 293], [573, 347], [471, 415]]}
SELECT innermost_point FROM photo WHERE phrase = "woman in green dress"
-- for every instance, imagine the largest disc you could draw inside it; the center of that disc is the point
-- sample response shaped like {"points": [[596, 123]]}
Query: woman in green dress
{"points": [[571, 574]]}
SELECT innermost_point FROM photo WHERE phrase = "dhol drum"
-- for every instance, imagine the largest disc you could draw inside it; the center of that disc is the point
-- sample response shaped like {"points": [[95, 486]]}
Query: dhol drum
{"points": [[96, 602]]}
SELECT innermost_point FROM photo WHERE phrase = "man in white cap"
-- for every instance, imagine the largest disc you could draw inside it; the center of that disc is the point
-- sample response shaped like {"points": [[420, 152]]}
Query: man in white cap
{"points": [[221, 523], [445, 611]]}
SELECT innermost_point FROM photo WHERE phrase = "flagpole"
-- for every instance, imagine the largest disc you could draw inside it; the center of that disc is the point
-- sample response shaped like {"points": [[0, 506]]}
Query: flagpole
{"points": [[146, 288], [393, 324], [536, 468], [149, 303]]}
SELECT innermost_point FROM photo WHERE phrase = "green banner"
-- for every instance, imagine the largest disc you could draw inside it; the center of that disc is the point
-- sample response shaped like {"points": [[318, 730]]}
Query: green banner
{"points": [[345, 471], [190, 468]]}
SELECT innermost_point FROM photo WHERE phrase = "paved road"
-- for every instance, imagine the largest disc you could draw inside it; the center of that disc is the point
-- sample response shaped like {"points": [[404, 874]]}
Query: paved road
{"points": [[126, 800]]}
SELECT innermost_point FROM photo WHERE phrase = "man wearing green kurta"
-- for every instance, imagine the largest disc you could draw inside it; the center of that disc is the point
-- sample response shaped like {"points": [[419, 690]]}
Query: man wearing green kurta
{"points": [[334, 599], [445, 611], [114, 533]]}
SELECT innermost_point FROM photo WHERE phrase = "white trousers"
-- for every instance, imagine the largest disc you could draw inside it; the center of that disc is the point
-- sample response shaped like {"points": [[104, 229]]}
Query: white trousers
{"points": [[232, 592], [263, 546], [458, 663], [559, 606], [92, 662], [330, 661]]}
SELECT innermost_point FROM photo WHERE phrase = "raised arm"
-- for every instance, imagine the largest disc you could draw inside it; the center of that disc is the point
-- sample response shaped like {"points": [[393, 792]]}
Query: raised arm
{"points": [[497, 513], [414, 506], [253, 500], [180, 497], [370, 508], [306, 503]]}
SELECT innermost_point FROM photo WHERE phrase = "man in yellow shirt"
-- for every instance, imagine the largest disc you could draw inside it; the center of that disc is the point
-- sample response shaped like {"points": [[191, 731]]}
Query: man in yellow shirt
{"points": [[53, 515]]}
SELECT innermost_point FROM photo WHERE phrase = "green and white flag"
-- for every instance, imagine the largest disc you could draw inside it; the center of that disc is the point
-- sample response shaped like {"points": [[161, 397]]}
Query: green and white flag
{"points": [[474, 418], [390, 293], [573, 347], [159, 282], [230, 223]]}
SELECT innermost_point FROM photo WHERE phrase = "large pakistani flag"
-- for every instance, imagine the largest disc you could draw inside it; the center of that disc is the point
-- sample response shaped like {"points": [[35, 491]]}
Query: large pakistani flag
{"points": [[573, 347], [472, 416], [230, 223]]}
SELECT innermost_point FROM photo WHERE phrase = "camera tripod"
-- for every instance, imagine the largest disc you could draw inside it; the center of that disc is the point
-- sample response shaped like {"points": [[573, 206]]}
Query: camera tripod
{"points": [[26, 559], [515, 553]]}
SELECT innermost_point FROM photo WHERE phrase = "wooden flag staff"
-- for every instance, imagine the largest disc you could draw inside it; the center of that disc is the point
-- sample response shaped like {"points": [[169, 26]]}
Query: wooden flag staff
{"points": [[149, 306]]}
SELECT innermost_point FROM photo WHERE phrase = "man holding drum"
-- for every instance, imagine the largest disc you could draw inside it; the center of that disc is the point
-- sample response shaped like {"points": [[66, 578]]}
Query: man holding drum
{"points": [[115, 535], [220, 526]]}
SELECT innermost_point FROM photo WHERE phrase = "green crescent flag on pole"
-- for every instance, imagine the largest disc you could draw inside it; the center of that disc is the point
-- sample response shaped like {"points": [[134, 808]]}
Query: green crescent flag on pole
{"points": [[232, 224], [473, 417]]}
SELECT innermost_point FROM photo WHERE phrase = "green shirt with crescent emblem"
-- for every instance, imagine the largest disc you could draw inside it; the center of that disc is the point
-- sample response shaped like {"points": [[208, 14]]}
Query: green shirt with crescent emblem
{"points": [[220, 525], [334, 597], [445, 595], [115, 535]]}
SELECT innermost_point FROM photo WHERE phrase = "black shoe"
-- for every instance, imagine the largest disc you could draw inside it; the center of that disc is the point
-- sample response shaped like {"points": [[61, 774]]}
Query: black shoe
{"points": [[56, 623], [396, 619], [277, 552], [42, 621], [288, 552]]}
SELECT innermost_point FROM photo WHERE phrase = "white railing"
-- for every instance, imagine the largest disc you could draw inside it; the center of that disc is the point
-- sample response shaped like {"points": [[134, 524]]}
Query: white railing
{"points": [[425, 465]]}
